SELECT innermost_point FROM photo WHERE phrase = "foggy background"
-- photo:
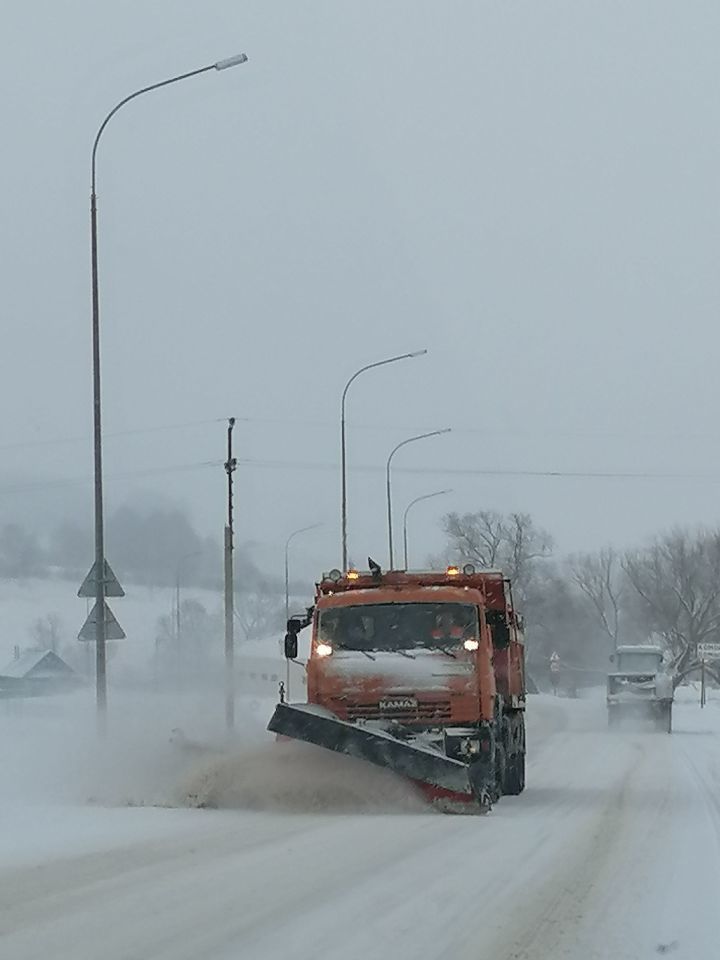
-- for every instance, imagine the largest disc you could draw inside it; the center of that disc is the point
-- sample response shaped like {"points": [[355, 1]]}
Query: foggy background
{"points": [[527, 190]]}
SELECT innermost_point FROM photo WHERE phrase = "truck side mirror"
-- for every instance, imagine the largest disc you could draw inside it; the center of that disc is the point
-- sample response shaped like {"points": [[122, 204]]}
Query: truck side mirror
{"points": [[291, 646], [294, 626]]}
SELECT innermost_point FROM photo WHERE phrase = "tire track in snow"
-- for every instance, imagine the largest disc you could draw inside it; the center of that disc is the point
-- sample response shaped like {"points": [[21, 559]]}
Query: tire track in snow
{"points": [[555, 907]]}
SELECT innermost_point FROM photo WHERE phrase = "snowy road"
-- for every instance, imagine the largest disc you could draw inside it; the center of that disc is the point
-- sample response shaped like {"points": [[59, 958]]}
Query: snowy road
{"points": [[612, 852]]}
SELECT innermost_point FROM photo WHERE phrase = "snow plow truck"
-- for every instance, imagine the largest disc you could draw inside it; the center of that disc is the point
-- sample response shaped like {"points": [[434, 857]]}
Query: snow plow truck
{"points": [[421, 673]]}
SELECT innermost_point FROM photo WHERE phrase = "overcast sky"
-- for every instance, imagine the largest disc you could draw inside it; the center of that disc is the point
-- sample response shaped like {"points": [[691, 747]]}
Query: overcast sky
{"points": [[527, 189]]}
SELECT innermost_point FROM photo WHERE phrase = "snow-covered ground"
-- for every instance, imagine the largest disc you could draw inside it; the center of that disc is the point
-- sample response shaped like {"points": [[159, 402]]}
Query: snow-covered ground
{"points": [[108, 849]]}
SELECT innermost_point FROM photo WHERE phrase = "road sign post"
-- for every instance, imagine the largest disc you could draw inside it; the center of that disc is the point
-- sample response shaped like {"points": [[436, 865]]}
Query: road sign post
{"points": [[708, 651], [101, 624]]}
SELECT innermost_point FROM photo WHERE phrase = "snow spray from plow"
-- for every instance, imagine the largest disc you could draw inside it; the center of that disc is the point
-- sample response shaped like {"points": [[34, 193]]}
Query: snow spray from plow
{"points": [[296, 778]]}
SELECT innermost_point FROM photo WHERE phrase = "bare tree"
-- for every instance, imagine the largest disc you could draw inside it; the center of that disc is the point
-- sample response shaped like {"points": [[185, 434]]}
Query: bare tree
{"points": [[477, 536], [677, 581], [47, 633], [524, 544], [260, 613], [599, 578], [489, 539]]}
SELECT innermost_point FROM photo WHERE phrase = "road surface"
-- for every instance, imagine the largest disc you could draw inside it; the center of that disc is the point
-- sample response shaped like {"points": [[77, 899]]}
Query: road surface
{"points": [[612, 852]]}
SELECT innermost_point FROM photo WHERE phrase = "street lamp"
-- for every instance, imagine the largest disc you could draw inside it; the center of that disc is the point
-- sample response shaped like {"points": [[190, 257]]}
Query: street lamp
{"points": [[178, 570], [420, 436], [100, 677], [426, 496], [292, 536], [343, 456]]}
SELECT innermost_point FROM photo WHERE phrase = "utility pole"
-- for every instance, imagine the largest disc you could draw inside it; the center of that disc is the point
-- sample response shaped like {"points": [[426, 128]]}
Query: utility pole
{"points": [[230, 466]]}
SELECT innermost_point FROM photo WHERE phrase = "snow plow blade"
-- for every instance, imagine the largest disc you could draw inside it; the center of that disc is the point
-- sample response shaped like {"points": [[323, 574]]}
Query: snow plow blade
{"points": [[324, 729]]}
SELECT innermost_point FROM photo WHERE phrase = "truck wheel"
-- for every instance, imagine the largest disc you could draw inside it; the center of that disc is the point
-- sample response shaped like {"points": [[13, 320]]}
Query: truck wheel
{"points": [[515, 775], [515, 763]]}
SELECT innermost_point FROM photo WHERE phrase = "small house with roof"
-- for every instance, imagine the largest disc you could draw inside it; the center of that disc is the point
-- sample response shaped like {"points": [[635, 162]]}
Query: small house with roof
{"points": [[36, 672]]}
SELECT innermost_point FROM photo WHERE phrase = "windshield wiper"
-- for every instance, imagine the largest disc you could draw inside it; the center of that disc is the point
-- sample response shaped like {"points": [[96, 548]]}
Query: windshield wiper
{"points": [[341, 646], [404, 653], [449, 653]]}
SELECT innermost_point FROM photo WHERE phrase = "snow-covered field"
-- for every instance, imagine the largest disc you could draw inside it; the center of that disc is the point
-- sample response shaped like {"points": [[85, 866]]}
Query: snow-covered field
{"points": [[109, 850], [260, 664], [23, 602]]}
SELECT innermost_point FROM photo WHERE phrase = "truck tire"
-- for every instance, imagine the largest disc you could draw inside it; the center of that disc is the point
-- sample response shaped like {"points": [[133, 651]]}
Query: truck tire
{"points": [[514, 783], [515, 775]]}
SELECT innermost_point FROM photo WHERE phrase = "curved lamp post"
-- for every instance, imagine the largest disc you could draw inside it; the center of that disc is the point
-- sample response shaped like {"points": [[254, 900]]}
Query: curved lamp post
{"points": [[295, 533], [178, 573], [404, 443], [426, 496], [100, 677], [343, 455]]}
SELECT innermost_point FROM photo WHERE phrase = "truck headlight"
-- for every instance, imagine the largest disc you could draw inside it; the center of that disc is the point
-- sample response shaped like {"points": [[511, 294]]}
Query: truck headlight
{"points": [[471, 644], [323, 649]]}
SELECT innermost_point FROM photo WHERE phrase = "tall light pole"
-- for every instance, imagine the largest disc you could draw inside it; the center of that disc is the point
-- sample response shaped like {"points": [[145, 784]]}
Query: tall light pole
{"points": [[295, 533], [426, 496], [100, 632], [178, 571], [343, 452], [404, 443]]}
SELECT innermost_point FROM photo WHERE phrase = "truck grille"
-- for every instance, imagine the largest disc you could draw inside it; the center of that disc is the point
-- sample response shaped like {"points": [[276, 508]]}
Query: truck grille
{"points": [[434, 710]]}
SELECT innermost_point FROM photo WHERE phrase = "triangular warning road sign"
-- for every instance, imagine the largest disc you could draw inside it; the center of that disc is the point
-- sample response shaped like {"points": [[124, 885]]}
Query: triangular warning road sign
{"points": [[113, 630], [112, 584]]}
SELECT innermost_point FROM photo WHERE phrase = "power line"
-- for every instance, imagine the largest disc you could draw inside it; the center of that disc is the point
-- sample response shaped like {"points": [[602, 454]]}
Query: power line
{"points": [[63, 441], [367, 468], [469, 471], [377, 427], [73, 481]]}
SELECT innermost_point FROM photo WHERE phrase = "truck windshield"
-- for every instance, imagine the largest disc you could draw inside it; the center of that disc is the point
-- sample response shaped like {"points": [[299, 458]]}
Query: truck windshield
{"points": [[639, 663], [398, 626]]}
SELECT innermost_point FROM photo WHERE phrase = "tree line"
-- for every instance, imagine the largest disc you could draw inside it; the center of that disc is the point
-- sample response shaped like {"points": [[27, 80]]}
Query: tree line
{"points": [[585, 604], [582, 605], [145, 547]]}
